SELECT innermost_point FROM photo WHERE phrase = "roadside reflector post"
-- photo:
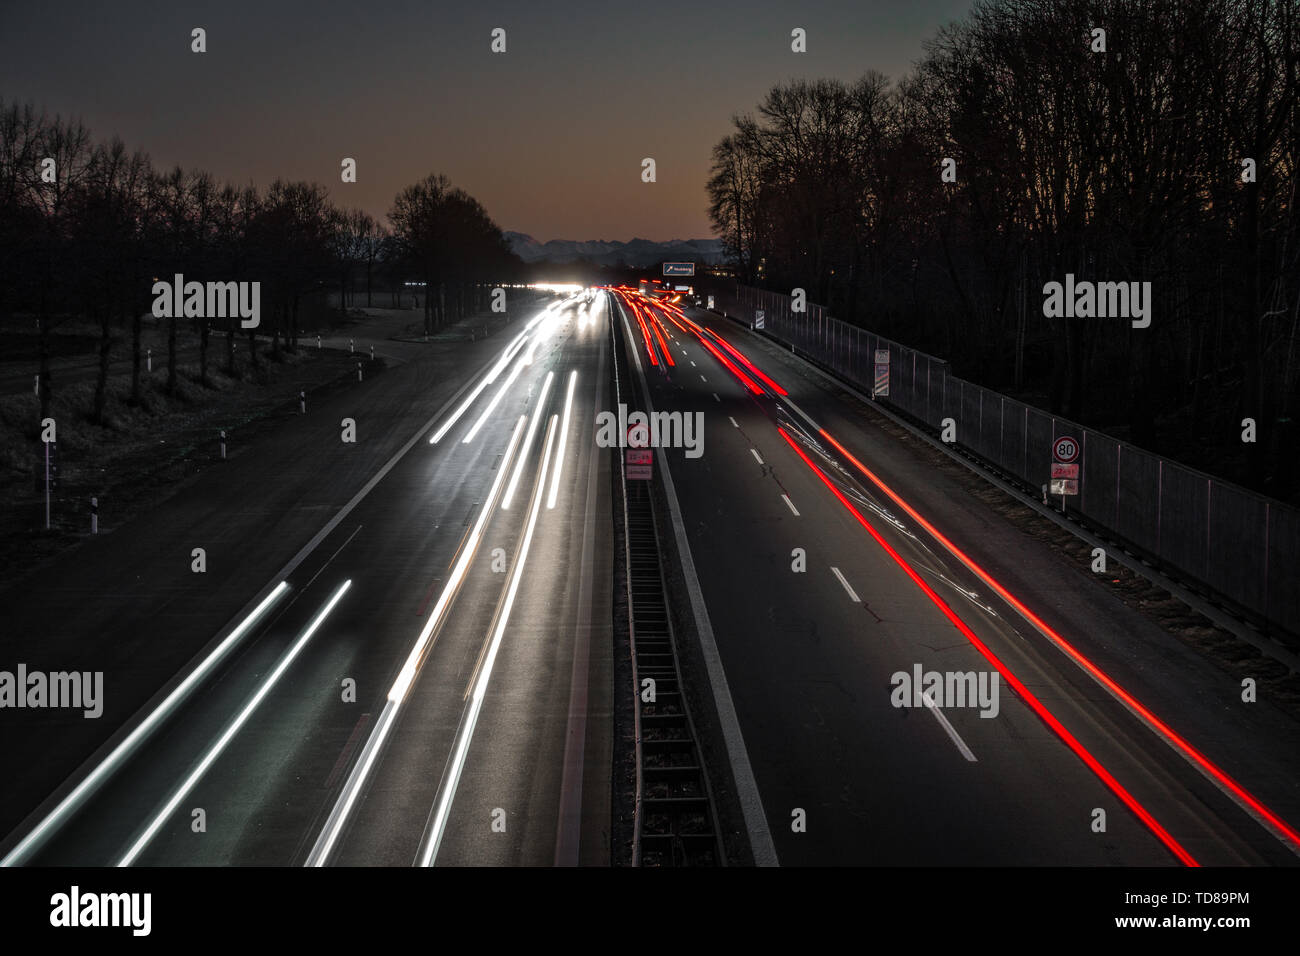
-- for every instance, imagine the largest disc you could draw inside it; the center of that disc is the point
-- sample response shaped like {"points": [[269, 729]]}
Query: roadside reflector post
{"points": [[94, 516], [358, 371], [372, 353], [223, 444], [148, 360], [47, 484], [302, 402], [317, 340], [352, 345]]}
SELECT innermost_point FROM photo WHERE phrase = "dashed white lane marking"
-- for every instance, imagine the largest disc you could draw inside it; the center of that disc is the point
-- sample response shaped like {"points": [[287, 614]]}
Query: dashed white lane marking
{"points": [[853, 594], [692, 363], [715, 397], [948, 728], [703, 379], [755, 454], [733, 421], [786, 499]]}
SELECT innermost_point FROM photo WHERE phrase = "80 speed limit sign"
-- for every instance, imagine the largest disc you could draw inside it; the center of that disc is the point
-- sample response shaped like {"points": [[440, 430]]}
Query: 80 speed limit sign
{"points": [[1065, 449]]}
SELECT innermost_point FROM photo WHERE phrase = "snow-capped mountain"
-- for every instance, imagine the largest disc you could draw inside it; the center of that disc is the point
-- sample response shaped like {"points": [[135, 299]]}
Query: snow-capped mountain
{"points": [[637, 252]]}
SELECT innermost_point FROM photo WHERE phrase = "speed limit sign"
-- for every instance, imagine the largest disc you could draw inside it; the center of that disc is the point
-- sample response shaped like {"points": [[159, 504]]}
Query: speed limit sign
{"points": [[1065, 449]]}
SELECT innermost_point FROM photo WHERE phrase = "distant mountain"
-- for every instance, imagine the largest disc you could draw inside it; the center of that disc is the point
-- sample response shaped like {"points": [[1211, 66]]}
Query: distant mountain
{"points": [[638, 252]]}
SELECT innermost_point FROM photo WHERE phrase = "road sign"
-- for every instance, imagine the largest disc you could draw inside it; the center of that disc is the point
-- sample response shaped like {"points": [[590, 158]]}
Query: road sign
{"points": [[639, 456], [638, 435], [759, 316], [1064, 471], [882, 373], [1065, 449], [679, 268], [710, 302], [1064, 486], [638, 472]]}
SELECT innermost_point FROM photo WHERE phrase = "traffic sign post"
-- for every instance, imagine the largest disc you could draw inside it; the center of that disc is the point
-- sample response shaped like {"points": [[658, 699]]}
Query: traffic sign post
{"points": [[759, 317], [1065, 467], [638, 464]]}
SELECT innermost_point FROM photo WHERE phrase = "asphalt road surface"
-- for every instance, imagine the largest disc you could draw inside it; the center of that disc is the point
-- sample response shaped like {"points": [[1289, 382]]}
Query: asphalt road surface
{"points": [[428, 680], [430, 683], [844, 775]]}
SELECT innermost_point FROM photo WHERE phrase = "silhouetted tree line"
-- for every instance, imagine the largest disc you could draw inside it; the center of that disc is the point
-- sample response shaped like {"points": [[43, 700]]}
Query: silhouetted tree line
{"points": [[446, 239], [1123, 165], [88, 237]]}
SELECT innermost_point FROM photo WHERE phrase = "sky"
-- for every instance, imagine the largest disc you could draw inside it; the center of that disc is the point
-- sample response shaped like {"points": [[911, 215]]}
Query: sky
{"points": [[549, 135]]}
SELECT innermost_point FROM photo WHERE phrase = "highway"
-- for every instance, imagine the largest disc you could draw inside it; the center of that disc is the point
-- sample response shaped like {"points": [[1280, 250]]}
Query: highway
{"points": [[846, 777], [429, 685], [430, 681]]}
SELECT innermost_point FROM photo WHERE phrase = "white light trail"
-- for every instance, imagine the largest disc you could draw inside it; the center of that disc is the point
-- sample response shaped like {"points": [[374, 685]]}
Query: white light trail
{"points": [[338, 817], [564, 434], [488, 379], [519, 367], [447, 792], [215, 751], [528, 443], [110, 764]]}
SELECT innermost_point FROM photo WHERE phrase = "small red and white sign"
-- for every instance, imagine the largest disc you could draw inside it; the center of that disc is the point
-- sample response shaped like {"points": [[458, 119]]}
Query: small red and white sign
{"points": [[1066, 449], [639, 456], [1064, 471]]}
